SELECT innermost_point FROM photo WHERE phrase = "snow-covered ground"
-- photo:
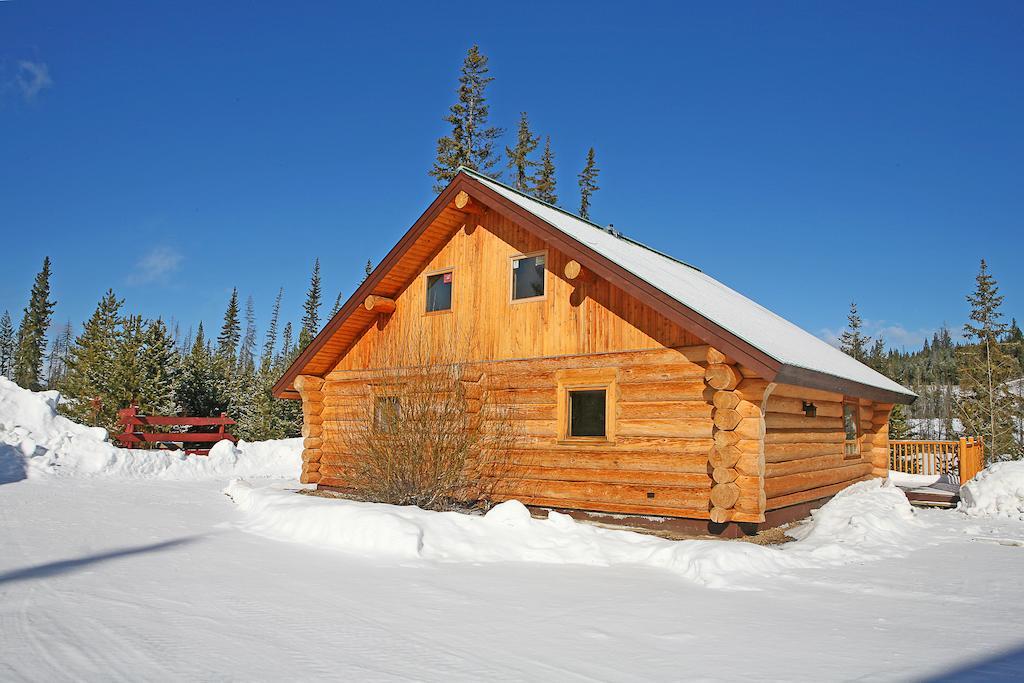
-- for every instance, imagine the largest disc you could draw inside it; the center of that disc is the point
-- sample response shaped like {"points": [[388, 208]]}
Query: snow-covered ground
{"points": [[115, 570]]}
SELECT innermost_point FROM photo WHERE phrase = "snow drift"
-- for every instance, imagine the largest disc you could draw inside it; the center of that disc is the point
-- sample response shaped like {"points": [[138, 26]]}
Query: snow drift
{"points": [[36, 441], [868, 520], [996, 491]]}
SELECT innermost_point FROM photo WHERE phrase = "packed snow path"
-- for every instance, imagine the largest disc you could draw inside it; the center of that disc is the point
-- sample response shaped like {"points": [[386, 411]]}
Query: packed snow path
{"points": [[111, 579]]}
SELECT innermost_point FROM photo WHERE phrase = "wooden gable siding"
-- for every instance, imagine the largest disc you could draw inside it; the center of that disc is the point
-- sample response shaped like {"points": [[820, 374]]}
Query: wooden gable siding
{"points": [[590, 316], [804, 456]]}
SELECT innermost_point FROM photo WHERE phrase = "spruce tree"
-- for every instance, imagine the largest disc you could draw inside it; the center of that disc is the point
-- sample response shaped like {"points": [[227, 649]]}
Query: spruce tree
{"points": [[90, 381], [160, 370], [519, 161], [7, 346], [471, 141], [987, 406], [128, 375], [197, 392], [56, 361], [230, 331], [367, 269], [588, 184], [247, 350], [270, 341], [337, 305], [311, 309], [852, 341], [28, 359], [287, 350], [545, 186]]}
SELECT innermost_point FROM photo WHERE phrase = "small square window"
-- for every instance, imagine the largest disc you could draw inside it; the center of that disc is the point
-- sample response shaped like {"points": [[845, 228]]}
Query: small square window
{"points": [[851, 416], [587, 412], [528, 277], [439, 292], [387, 411]]}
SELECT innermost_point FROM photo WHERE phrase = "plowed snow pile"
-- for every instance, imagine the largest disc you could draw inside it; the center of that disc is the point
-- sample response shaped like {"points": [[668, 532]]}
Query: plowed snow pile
{"points": [[868, 520], [997, 491], [36, 441]]}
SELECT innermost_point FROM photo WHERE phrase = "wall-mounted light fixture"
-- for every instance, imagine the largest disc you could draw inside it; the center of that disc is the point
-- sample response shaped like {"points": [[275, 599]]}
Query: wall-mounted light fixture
{"points": [[810, 410]]}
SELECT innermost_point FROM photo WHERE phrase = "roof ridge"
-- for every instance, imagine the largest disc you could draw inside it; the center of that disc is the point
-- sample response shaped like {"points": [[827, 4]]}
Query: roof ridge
{"points": [[613, 233]]}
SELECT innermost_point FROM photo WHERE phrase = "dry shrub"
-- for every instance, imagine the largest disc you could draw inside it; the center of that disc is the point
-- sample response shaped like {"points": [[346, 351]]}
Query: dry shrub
{"points": [[419, 438]]}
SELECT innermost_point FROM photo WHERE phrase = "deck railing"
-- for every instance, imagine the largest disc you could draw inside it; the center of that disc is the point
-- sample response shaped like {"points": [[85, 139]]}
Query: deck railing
{"points": [[958, 460]]}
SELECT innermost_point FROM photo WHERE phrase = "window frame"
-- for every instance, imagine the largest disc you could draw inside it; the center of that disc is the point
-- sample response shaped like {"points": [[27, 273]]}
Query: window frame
{"points": [[586, 379], [426, 290], [512, 275], [851, 447]]}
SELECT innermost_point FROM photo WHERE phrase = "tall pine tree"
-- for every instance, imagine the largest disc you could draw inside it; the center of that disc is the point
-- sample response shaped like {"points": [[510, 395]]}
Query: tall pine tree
{"points": [[588, 184], [270, 341], [90, 380], [230, 331], [852, 341], [198, 392], [28, 359], [987, 406], [471, 141], [545, 185], [519, 161], [311, 309], [56, 362], [7, 346]]}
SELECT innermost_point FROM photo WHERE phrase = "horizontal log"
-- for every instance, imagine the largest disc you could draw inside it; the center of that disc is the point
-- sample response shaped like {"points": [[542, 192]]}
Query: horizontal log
{"points": [[624, 494], [666, 372], [695, 480], [309, 478], [663, 409], [311, 430], [547, 395], [311, 454], [807, 464], [723, 475], [716, 357], [810, 494], [304, 383], [685, 390], [725, 438], [786, 421], [336, 458], [678, 445], [511, 381], [804, 436], [726, 400], [795, 406], [312, 442], [527, 411], [750, 464], [750, 428], [696, 428], [720, 515], [694, 463], [775, 487], [752, 390], [722, 376], [572, 269], [607, 507], [785, 452], [724, 456], [806, 393], [752, 500]]}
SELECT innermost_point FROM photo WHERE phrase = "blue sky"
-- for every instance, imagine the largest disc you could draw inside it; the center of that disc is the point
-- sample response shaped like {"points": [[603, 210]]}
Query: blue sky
{"points": [[806, 154]]}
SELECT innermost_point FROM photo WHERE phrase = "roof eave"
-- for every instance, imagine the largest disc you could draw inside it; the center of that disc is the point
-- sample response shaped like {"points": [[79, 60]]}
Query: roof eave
{"points": [[813, 379]]}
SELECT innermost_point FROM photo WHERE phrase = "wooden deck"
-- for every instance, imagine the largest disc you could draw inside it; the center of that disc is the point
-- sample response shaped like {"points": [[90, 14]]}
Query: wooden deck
{"points": [[936, 495]]}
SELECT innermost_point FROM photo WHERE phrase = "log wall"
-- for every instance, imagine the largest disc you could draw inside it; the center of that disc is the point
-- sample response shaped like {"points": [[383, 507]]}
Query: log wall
{"points": [[656, 462], [805, 457], [311, 390]]}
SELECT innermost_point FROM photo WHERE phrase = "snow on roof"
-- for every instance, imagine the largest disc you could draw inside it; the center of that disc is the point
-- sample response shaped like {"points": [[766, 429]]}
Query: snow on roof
{"points": [[746, 319]]}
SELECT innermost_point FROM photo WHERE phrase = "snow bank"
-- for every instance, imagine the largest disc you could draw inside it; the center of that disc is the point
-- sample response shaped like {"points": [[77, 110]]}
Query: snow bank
{"points": [[871, 519], [996, 491], [36, 441]]}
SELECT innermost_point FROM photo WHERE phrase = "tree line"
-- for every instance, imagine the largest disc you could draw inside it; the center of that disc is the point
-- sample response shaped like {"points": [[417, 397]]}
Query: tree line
{"points": [[121, 359], [974, 387]]}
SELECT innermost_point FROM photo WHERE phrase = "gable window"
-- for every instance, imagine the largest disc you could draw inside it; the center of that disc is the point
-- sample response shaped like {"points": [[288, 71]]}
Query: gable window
{"points": [[528, 275], [439, 291], [851, 424], [387, 411], [587, 412]]}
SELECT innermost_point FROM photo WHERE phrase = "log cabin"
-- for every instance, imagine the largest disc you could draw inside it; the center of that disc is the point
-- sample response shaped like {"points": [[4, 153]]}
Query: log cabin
{"points": [[642, 388]]}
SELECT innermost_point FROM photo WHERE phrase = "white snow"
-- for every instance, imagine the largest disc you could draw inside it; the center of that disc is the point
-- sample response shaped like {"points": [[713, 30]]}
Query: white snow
{"points": [[745, 318], [996, 491], [36, 441], [868, 520], [116, 571]]}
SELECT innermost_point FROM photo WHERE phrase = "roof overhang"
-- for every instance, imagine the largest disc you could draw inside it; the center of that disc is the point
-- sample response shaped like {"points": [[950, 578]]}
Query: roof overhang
{"points": [[739, 349]]}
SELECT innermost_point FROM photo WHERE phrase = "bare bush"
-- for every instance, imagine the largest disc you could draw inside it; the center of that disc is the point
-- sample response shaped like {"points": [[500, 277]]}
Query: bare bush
{"points": [[422, 436]]}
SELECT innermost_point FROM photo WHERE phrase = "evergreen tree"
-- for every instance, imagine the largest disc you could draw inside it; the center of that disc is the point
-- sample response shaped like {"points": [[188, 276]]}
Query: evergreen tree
{"points": [[287, 350], [987, 406], [127, 378], [7, 346], [337, 305], [471, 141], [230, 331], [160, 370], [853, 342], [311, 314], [270, 341], [197, 392], [519, 161], [56, 362], [247, 350], [876, 358], [544, 187], [588, 184], [28, 359], [899, 428], [89, 383], [367, 269]]}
